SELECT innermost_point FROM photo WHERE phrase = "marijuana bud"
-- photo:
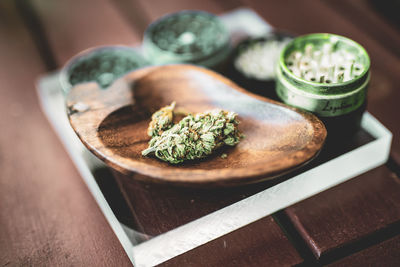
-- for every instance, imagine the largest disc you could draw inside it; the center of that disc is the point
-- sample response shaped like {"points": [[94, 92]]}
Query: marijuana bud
{"points": [[161, 120], [194, 137]]}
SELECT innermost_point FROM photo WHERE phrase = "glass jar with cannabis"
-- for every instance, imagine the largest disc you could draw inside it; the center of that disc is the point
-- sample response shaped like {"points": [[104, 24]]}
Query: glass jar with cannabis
{"points": [[195, 136], [328, 75]]}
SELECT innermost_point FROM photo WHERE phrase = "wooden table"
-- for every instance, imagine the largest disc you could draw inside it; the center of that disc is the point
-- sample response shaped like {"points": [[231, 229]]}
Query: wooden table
{"points": [[49, 218]]}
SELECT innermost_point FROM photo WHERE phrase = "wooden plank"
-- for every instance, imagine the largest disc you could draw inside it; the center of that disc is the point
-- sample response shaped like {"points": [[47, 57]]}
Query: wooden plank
{"points": [[308, 16], [362, 13], [140, 13], [385, 254], [156, 9], [74, 27], [160, 208], [343, 216], [48, 217], [262, 243], [388, 10]]}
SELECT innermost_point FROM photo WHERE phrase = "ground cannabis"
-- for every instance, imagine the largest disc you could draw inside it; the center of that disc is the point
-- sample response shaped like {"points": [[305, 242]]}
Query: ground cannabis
{"points": [[194, 137], [258, 60]]}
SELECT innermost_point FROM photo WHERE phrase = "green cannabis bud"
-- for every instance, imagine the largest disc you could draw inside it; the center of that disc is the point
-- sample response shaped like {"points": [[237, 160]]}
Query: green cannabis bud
{"points": [[161, 120], [195, 136]]}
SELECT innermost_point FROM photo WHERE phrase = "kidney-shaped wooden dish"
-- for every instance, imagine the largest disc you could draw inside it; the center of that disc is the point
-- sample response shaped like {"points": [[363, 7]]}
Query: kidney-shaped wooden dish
{"points": [[112, 123]]}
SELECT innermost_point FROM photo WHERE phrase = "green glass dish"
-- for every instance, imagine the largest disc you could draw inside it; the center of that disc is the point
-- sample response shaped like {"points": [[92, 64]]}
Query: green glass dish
{"points": [[100, 64], [336, 92], [195, 37]]}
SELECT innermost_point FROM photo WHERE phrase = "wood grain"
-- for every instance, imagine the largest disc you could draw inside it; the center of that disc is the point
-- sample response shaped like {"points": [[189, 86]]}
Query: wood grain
{"points": [[278, 138], [262, 243], [47, 215], [140, 13], [159, 208], [155, 9], [362, 13], [72, 27], [349, 212], [385, 254]]}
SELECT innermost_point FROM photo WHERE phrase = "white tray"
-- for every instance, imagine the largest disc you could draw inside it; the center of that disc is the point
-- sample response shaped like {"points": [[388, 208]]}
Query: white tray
{"points": [[228, 219]]}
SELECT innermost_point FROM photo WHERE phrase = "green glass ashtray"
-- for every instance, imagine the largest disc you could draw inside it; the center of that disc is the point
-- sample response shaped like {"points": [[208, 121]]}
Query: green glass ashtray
{"points": [[328, 75], [102, 65], [195, 37]]}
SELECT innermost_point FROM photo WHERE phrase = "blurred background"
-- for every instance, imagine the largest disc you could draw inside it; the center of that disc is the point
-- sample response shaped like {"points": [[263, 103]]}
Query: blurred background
{"points": [[38, 216]]}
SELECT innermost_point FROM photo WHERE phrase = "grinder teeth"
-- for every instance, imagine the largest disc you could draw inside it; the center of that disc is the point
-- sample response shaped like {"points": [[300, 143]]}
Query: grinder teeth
{"points": [[324, 64]]}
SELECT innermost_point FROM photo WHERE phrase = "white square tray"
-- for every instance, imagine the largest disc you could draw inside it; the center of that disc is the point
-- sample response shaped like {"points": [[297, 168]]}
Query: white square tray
{"points": [[228, 219]]}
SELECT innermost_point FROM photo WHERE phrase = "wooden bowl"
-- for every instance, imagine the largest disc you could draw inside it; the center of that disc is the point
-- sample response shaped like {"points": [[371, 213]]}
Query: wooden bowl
{"points": [[112, 123]]}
